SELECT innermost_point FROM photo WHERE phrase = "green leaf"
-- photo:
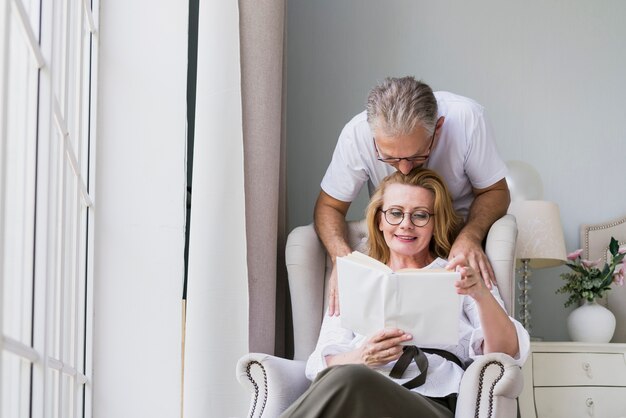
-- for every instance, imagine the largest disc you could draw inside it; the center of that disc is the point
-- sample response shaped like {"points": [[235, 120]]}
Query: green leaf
{"points": [[606, 271], [613, 246]]}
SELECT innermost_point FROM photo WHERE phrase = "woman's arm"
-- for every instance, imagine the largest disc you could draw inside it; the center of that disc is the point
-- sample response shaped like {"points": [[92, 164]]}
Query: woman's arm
{"points": [[499, 332], [381, 348]]}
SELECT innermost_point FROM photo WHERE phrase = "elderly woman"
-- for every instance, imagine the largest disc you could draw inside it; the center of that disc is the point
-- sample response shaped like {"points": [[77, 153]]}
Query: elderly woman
{"points": [[411, 224]]}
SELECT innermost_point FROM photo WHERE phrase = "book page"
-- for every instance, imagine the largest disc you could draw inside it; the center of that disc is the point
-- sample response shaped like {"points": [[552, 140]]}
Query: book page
{"points": [[360, 290], [425, 304], [365, 260]]}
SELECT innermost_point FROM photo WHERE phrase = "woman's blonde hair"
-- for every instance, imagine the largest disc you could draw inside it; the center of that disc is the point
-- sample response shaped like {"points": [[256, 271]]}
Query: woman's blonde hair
{"points": [[447, 223]]}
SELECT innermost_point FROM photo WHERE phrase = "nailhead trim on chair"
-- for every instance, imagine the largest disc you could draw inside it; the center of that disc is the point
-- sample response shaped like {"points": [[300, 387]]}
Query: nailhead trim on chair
{"points": [[480, 387], [599, 228], [256, 387]]}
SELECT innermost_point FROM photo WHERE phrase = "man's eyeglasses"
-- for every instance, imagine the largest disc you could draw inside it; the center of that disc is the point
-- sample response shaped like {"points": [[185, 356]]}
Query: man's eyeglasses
{"points": [[411, 159], [419, 217]]}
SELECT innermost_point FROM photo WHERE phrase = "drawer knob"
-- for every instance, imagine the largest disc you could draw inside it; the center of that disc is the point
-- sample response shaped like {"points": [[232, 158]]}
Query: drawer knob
{"points": [[589, 403], [587, 369]]}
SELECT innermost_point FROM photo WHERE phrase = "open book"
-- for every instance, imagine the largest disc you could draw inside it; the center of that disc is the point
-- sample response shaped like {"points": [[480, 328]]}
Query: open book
{"points": [[423, 302]]}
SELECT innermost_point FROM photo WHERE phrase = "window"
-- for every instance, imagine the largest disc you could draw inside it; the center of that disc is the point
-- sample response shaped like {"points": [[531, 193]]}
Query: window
{"points": [[47, 97]]}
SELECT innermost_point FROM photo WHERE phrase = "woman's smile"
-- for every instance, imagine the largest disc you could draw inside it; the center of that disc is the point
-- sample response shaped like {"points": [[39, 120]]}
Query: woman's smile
{"points": [[407, 238]]}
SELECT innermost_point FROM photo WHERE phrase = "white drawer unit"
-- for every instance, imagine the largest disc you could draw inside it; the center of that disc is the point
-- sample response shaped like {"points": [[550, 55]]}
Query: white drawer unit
{"points": [[579, 369], [570, 380]]}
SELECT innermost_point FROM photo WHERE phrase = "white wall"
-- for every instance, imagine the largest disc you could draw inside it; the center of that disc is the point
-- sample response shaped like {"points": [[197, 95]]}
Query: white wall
{"points": [[551, 75], [140, 208]]}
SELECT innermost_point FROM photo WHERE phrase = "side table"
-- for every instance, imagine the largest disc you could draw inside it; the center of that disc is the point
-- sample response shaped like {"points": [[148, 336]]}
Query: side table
{"points": [[567, 379]]}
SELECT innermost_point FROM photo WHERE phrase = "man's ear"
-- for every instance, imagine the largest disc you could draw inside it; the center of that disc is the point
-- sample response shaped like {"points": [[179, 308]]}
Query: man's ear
{"points": [[439, 123]]}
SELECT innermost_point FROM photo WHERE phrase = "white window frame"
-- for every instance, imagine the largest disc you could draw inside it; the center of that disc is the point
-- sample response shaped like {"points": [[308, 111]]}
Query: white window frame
{"points": [[52, 310]]}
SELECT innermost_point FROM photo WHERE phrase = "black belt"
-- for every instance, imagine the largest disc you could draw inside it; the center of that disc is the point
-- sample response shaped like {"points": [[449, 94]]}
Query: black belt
{"points": [[411, 352]]}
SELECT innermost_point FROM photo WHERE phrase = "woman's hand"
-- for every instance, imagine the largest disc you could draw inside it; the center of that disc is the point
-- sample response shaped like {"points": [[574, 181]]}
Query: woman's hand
{"points": [[471, 282], [379, 349], [383, 347], [465, 251]]}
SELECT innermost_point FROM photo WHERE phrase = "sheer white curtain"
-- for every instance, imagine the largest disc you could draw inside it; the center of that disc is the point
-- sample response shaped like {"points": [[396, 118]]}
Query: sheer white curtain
{"points": [[236, 289], [140, 208], [217, 293], [4, 43]]}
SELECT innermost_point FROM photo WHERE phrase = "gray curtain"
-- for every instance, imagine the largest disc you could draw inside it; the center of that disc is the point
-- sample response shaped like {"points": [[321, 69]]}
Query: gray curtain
{"points": [[261, 31]]}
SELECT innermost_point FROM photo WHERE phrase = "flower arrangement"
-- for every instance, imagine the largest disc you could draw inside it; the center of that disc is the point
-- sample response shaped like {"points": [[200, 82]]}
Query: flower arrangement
{"points": [[588, 281]]}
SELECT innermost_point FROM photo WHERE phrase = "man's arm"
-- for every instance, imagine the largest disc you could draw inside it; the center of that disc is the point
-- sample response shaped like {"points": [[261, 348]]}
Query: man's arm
{"points": [[489, 205], [331, 227]]}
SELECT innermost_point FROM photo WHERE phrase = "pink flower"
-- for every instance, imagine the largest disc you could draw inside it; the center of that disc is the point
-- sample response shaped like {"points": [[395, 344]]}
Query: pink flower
{"points": [[622, 250], [573, 256], [589, 264]]}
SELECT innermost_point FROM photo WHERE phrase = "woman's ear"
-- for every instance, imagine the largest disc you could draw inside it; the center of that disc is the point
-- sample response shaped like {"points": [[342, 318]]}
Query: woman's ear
{"points": [[380, 221]]}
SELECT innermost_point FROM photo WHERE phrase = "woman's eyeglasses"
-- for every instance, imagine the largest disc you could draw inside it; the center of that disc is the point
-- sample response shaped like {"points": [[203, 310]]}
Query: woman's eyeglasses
{"points": [[419, 217]]}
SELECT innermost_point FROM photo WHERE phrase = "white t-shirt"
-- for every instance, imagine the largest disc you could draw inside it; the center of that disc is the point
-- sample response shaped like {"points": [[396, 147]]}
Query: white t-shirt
{"points": [[443, 376], [465, 154]]}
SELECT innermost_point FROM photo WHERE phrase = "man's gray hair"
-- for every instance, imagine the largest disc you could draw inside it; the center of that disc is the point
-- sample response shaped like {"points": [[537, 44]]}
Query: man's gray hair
{"points": [[397, 105]]}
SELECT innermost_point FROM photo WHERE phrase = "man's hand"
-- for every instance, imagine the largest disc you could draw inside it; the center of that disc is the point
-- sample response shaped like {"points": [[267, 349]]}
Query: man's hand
{"points": [[489, 205], [466, 251], [331, 227]]}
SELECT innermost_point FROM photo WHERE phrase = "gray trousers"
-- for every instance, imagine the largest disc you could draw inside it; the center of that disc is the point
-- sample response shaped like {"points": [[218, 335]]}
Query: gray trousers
{"points": [[358, 391]]}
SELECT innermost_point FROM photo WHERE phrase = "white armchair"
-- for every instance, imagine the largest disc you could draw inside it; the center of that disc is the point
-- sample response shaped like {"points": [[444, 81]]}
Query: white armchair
{"points": [[490, 385]]}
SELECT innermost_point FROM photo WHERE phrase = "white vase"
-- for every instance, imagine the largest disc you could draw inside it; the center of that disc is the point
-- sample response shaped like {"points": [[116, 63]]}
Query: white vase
{"points": [[591, 323]]}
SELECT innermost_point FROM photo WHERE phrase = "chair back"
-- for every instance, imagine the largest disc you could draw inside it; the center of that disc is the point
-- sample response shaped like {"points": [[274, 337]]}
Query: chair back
{"points": [[309, 268]]}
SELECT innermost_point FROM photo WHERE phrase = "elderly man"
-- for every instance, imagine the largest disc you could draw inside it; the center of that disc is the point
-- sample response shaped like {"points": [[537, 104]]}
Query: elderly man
{"points": [[406, 125]]}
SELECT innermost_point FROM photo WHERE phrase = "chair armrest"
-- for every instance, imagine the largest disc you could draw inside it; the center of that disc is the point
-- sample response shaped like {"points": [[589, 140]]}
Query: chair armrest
{"points": [[500, 249], [490, 384], [306, 265], [275, 382]]}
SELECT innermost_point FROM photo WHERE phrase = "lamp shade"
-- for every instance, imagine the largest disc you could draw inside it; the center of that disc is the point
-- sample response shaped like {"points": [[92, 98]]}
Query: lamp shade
{"points": [[540, 235]]}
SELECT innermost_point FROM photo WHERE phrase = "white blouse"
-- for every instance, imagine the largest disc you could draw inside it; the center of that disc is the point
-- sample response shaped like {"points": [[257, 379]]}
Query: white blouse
{"points": [[443, 377]]}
